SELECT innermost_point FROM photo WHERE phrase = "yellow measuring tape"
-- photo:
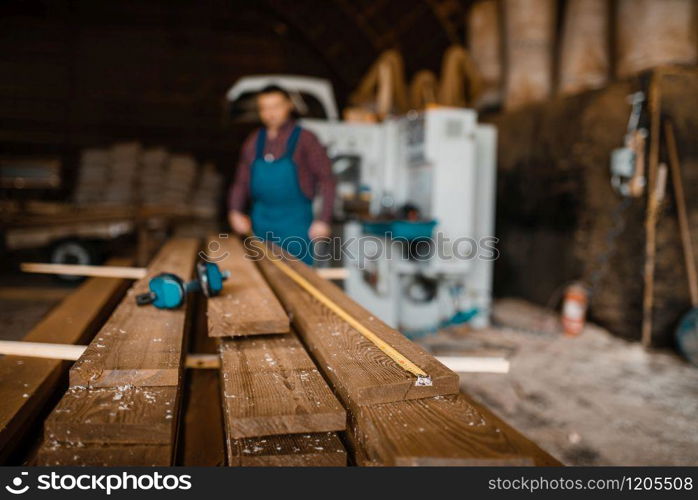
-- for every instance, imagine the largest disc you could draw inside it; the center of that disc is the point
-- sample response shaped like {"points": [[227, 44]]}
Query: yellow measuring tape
{"points": [[422, 378]]}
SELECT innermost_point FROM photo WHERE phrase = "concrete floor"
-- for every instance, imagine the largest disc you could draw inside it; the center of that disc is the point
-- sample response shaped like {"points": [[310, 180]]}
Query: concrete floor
{"points": [[591, 400]]}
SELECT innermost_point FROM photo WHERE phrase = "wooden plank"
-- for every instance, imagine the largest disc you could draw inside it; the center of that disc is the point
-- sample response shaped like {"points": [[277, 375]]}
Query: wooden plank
{"points": [[356, 452], [445, 430], [293, 450], [32, 293], [272, 387], [94, 455], [27, 384], [125, 272], [246, 305], [655, 102], [202, 438], [203, 361], [682, 213], [127, 424], [141, 345], [358, 371], [127, 415]]}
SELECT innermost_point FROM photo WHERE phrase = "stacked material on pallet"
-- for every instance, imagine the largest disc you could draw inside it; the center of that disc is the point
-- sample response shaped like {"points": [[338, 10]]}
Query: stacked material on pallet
{"points": [[179, 180], [651, 33], [204, 201], [125, 390], [278, 410], [125, 164], [585, 52], [152, 175], [529, 33], [126, 174], [484, 43], [93, 176]]}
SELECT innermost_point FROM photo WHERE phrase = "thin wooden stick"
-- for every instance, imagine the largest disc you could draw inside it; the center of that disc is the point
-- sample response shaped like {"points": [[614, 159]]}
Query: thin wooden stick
{"points": [[475, 364], [681, 209], [651, 217], [134, 273], [653, 211], [206, 361], [390, 351], [72, 352], [333, 273], [68, 352]]}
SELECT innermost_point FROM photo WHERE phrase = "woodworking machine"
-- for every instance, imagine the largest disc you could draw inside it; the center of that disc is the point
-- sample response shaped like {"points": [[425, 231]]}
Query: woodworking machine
{"points": [[440, 162]]}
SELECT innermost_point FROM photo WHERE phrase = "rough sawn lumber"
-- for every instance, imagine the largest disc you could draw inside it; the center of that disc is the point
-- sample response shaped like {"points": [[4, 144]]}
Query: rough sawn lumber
{"points": [[141, 345], [443, 430], [53, 453], [124, 415], [271, 387], [112, 426], [246, 305], [293, 450], [359, 372]]}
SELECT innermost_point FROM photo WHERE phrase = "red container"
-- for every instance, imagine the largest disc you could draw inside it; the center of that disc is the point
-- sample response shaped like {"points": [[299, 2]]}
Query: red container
{"points": [[574, 309]]}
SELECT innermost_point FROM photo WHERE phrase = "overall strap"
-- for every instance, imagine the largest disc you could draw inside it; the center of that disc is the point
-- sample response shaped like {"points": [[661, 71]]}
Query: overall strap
{"points": [[261, 140], [292, 142]]}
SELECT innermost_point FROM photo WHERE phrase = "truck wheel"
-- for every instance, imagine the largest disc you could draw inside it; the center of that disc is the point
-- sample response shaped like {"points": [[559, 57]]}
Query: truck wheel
{"points": [[72, 252]]}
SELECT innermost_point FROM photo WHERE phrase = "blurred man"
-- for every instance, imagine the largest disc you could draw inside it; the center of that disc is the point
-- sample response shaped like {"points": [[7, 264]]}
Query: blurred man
{"points": [[282, 168]]}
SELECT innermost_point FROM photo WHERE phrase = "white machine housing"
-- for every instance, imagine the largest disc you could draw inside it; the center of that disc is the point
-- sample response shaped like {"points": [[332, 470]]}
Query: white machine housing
{"points": [[444, 162]]}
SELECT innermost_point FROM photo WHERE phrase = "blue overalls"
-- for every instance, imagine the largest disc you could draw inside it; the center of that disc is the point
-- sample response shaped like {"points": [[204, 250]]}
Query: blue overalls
{"points": [[280, 209]]}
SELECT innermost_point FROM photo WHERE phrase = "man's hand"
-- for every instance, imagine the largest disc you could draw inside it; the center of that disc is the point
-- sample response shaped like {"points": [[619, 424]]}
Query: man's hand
{"points": [[319, 229], [239, 222]]}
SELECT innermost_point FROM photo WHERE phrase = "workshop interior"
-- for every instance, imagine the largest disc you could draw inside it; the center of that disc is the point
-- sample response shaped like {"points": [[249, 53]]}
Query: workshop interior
{"points": [[328, 233]]}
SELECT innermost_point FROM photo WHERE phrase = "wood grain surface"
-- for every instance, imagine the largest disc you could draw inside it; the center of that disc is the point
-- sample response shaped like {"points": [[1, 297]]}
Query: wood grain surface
{"points": [[271, 387], [246, 306], [444, 430], [110, 455], [141, 345], [126, 415], [359, 372], [293, 450]]}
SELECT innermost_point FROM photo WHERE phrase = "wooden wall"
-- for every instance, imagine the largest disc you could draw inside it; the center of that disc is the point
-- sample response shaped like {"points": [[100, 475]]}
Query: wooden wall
{"points": [[555, 204]]}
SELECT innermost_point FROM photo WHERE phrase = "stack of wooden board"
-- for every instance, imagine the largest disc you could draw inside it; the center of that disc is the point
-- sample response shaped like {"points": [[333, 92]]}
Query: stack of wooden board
{"points": [[278, 410], [309, 391], [392, 421], [122, 404], [125, 163], [93, 176], [206, 196], [152, 176], [179, 180]]}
